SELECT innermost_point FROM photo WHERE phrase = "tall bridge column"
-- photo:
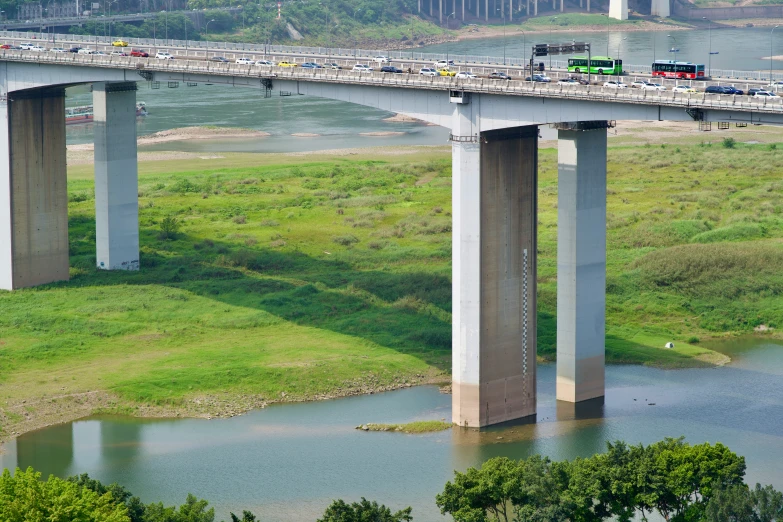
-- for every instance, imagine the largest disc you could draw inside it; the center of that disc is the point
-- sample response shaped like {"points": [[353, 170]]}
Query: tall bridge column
{"points": [[660, 8], [618, 9], [33, 191], [116, 176], [493, 270], [581, 260]]}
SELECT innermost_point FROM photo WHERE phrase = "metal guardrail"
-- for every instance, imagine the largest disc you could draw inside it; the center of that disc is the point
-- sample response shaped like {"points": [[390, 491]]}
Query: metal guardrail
{"points": [[359, 54], [413, 81]]}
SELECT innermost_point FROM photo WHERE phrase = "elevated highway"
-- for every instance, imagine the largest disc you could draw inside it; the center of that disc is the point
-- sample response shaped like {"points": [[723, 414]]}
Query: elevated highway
{"points": [[494, 134]]}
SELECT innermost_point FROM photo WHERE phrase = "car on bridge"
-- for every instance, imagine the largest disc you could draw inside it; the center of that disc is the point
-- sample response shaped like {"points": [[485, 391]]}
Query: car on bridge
{"points": [[538, 78], [265, 62], [465, 75], [648, 86], [287, 64], [567, 81], [245, 61], [5, 46], [446, 72], [58, 50], [381, 59], [26, 46], [85, 51], [38, 48], [120, 43], [765, 94], [219, 59], [311, 65], [440, 64], [498, 75], [115, 53], [141, 53], [611, 84], [638, 84], [684, 89], [390, 69], [163, 55], [332, 66], [361, 67], [74, 49], [428, 71]]}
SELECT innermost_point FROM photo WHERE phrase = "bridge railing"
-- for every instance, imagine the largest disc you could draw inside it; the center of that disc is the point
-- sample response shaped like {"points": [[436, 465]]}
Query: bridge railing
{"points": [[360, 55], [585, 92]]}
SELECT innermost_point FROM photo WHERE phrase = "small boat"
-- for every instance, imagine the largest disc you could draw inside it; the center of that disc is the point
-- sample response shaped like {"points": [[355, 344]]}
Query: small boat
{"points": [[84, 113]]}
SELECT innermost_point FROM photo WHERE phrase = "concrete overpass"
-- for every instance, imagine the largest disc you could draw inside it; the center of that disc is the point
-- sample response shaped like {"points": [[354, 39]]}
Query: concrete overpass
{"points": [[494, 133]]}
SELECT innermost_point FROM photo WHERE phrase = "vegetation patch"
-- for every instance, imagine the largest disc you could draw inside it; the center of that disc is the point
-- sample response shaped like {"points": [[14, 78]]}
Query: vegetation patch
{"points": [[411, 427]]}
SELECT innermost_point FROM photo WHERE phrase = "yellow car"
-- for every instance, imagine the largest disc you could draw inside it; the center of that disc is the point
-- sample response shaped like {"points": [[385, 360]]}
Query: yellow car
{"points": [[446, 72], [120, 43], [287, 64]]}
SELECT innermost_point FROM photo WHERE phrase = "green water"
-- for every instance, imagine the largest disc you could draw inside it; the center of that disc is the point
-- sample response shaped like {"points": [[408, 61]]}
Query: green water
{"points": [[288, 462]]}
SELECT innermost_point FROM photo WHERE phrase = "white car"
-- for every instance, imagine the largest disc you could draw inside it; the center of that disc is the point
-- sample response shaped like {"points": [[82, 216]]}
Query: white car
{"points": [[264, 62], [26, 46], [653, 87], [765, 94], [465, 75], [115, 53], [381, 59], [38, 49], [443, 64], [245, 61], [332, 65], [163, 55], [361, 67], [58, 50], [684, 89], [85, 51], [638, 84], [429, 71], [99, 53], [615, 85]]}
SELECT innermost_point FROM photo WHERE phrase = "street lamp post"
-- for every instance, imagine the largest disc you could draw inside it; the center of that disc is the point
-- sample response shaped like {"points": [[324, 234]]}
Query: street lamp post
{"points": [[607, 32], [206, 33], [550, 39], [355, 41], [448, 43], [676, 48], [709, 57], [504, 37], [618, 46], [770, 54]]}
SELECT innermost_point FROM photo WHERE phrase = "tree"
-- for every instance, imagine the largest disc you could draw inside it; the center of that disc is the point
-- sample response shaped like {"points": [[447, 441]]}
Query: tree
{"points": [[24, 497], [169, 227], [363, 511], [247, 516]]}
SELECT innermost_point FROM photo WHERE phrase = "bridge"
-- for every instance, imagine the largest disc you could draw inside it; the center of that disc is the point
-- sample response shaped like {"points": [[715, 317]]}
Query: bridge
{"points": [[494, 134]]}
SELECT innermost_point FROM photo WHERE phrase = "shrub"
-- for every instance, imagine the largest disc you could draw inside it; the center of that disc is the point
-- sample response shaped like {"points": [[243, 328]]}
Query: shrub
{"points": [[346, 240], [169, 227], [240, 220], [729, 143]]}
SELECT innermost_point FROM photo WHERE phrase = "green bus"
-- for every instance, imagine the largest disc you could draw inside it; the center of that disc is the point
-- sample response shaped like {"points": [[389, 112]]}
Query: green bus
{"points": [[598, 65]]}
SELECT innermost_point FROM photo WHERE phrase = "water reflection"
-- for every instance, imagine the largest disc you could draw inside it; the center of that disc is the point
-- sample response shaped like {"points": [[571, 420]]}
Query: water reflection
{"points": [[288, 462]]}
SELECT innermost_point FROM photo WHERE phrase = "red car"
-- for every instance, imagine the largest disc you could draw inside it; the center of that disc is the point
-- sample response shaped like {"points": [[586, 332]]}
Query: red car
{"points": [[139, 53], [5, 46]]}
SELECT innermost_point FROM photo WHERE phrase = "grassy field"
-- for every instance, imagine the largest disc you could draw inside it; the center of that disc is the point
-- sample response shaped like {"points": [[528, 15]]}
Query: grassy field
{"points": [[296, 277], [411, 427]]}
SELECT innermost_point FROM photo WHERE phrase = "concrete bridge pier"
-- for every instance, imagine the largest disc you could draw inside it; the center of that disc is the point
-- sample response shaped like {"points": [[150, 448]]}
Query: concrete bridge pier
{"points": [[618, 9], [33, 192], [493, 269], [116, 176], [660, 8], [581, 260]]}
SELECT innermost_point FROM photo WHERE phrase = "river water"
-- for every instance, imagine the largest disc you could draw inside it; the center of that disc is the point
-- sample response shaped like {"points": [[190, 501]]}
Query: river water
{"points": [[288, 462], [342, 125]]}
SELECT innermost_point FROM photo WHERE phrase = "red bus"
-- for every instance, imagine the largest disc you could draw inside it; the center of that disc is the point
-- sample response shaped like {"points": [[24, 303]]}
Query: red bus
{"points": [[681, 70]]}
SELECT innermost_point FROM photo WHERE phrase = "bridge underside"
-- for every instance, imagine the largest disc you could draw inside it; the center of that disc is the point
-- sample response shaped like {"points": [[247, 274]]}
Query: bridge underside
{"points": [[494, 142]]}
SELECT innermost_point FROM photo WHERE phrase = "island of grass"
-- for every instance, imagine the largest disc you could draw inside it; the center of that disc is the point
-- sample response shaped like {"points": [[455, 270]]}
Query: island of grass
{"points": [[269, 278], [430, 426]]}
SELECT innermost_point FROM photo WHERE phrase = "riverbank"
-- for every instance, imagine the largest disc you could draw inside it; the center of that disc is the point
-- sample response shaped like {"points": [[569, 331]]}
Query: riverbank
{"points": [[309, 276]]}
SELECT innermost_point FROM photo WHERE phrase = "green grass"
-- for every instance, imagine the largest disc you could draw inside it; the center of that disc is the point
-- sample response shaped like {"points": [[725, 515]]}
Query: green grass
{"points": [[412, 427], [323, 276]]}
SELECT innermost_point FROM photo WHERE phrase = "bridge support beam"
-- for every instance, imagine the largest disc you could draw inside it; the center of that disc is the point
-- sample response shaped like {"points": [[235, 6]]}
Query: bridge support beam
{"points": [[660, 8], [33, 191], [581, 260], [116, 176], [618, 9], [494, 271]]}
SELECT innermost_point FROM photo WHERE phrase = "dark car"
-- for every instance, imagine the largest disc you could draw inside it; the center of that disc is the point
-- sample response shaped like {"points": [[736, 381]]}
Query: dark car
{"points": [[754, 90], [497, 75], [310, 65], [218, 59], [74, 49], [733, 90], [390, 69], [717, 89]]}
